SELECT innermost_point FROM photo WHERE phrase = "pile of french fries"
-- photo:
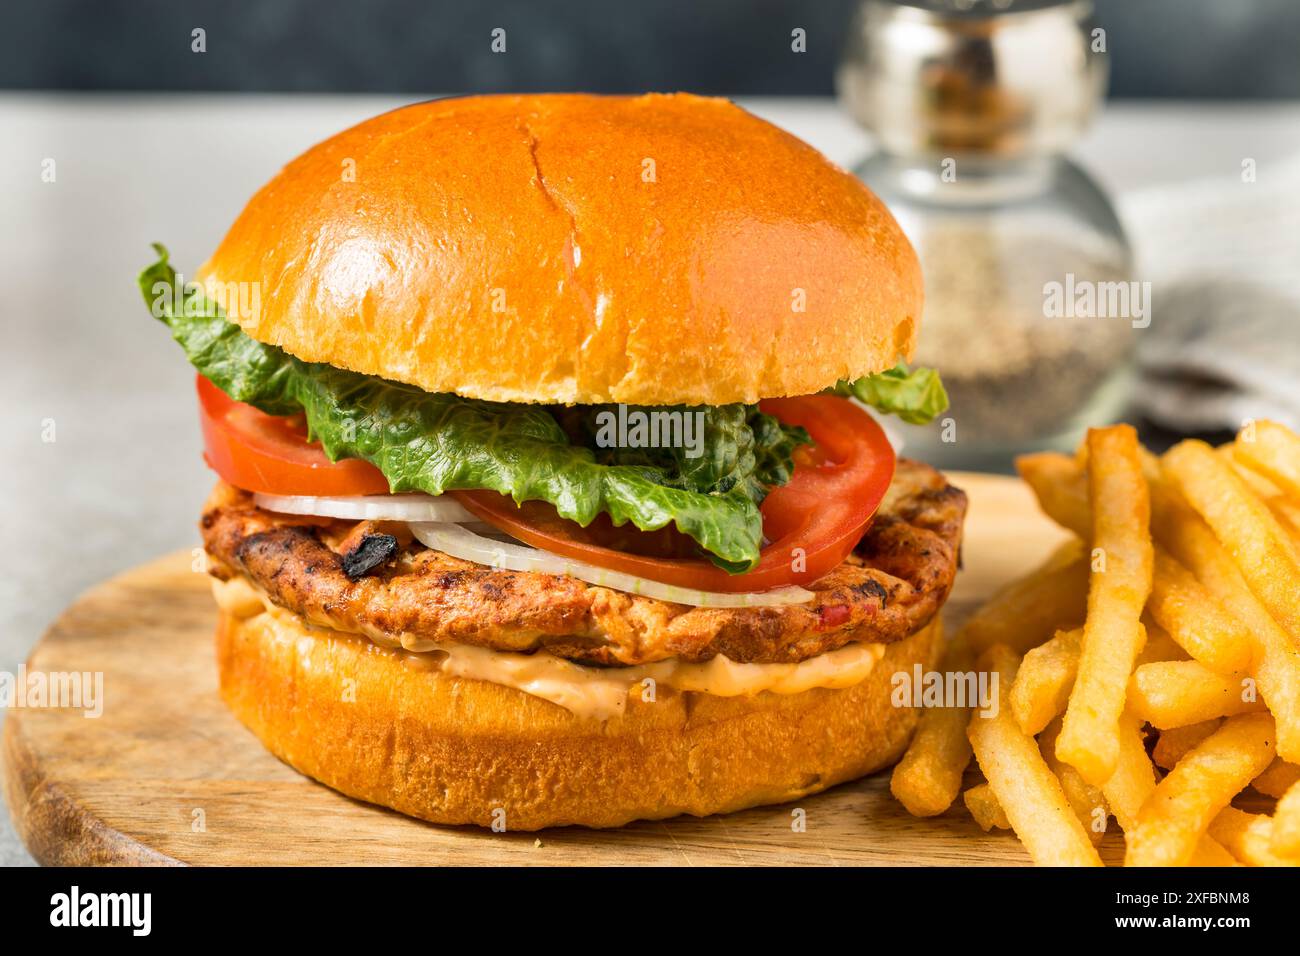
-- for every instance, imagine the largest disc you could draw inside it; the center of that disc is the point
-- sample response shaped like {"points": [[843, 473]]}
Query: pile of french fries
{"points": [[1148, 672]]}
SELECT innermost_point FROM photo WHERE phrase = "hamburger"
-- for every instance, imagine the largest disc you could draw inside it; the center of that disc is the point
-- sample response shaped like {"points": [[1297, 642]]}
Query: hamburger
{"points": [[548, 493]]}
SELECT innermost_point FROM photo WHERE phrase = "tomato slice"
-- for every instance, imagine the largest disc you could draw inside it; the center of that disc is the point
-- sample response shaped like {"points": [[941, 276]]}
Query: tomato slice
{"points": [[271, 454], [811, 523]]}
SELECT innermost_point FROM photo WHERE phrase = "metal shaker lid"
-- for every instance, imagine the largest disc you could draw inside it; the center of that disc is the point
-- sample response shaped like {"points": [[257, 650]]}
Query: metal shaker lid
{"points": [[996, 77]]}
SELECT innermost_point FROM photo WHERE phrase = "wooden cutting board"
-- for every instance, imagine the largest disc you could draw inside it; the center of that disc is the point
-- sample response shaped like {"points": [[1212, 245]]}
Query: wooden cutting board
{"points": [[167, 775]]}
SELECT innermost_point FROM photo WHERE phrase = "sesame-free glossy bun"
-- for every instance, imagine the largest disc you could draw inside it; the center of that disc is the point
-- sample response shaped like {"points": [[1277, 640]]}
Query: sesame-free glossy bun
{"points": [[657, 249], [360, 719]]}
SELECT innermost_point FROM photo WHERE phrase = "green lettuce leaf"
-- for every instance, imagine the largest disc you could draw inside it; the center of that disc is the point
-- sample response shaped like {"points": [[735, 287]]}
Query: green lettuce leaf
{"points": [[734, 444], [439, 442], [916, 396]]}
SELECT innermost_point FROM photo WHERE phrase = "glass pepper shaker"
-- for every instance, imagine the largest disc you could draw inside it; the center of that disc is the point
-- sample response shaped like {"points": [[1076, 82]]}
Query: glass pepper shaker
{"points": [[972, 104]]}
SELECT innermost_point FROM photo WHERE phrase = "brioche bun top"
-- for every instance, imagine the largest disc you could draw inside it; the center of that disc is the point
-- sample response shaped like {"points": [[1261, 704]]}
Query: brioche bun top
{"points": [[657, 249]]}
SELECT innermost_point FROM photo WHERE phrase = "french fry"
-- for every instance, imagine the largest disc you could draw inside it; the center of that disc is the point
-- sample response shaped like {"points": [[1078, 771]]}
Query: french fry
{"points": [[1186, 580], [1028, 611], [1059, 483], [1279, 777], [1087, 801], [1188, 612], [1277, 658], [1287, 513], [1274, 453], [1159, 646], [1134, 780], [1180, 810], [1025, 788], [1262, 549], [1223, 589], [984, 807], [1247, 836], [1283, 507], [1178, 602], [1252, 479], [1174, 742], [1210, 852], [1286, 825], [1044, 680], [1112, 634], [1273, 487], [928, 777], [1176, 693]]}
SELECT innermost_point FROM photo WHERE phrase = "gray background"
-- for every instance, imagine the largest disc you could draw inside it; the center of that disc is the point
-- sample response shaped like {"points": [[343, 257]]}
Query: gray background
{"points": [[1182, 48]]}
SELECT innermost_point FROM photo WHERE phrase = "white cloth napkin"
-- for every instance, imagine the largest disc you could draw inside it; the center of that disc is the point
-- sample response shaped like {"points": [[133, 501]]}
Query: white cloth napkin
{"points": [[1223, 259]]}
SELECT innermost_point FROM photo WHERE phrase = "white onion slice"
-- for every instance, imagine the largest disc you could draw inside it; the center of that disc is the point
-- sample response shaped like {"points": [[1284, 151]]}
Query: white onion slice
{"points": [[888, 424], [414, 507], [462, 543]]}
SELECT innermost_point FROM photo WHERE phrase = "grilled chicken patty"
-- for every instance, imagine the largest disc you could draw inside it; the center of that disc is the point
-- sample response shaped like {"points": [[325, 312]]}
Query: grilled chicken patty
{"points": [[377, 582]]}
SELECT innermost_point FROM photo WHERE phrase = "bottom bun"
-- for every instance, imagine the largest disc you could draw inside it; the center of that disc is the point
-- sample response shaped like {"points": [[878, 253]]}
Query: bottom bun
{"points": [[361, 719]]}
